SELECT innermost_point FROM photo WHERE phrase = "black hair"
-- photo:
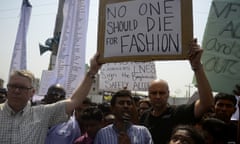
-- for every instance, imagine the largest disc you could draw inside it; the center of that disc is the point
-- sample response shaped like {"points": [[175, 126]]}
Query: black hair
{"points": [[120, 93], [193, 133], [56, 87], [224, 96], [92, 113], [105, 107], [215, 127], [3, 91], [55, 93]]}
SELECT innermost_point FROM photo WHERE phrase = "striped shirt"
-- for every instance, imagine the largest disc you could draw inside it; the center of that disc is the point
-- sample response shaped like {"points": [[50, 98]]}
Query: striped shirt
{"points": [[30, 125], [137, 133]]}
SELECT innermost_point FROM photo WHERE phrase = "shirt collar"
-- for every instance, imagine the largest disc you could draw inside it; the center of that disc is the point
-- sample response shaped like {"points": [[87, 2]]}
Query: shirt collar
{"points": [[11, 112], [128, 125]]}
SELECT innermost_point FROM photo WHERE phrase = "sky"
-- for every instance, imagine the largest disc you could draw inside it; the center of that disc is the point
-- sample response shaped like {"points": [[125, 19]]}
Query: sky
{"points": [[41, 27]]}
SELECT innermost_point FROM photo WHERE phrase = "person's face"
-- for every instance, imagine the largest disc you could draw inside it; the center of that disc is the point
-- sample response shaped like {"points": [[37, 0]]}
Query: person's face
{"points": [[142, 107], [20, 91], [123, 105], [92, 127], [78, 111], [224, 109], [181, 137], [54, 95], [158, 94]]}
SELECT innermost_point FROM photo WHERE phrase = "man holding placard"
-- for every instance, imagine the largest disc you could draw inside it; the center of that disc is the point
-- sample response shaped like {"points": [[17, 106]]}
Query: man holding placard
{"points": [[162, 118]]}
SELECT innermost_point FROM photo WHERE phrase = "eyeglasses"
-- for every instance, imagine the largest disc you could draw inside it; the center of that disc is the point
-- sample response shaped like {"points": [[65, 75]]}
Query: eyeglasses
{"points": [[12, 87]]}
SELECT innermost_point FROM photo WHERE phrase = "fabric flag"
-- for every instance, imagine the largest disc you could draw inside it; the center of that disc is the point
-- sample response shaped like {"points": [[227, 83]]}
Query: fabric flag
{"points": [[70, 62], [18, 61]]}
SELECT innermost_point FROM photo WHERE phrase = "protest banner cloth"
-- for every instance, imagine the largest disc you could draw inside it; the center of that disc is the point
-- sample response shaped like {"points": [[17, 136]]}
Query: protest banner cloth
{"points": [[70, 63], [19, 59]]}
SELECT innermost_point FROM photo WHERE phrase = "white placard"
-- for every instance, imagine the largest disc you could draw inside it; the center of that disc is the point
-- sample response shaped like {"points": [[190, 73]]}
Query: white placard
{"points": [[133, 75], [143, 27]]}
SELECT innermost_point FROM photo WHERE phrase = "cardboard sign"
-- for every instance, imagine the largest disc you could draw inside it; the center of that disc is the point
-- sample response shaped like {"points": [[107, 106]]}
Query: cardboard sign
{"points": [[141, 30], [221, 57], [134, 76]]}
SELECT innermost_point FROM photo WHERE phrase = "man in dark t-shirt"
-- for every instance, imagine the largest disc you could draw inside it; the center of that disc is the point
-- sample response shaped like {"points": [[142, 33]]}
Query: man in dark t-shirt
{"points": [[162, 126], [162, 118]]}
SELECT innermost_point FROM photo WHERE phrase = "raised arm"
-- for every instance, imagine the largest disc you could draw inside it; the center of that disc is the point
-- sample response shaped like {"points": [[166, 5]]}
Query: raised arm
{"points": [[237, 93], [205, 92], [83, 89]]}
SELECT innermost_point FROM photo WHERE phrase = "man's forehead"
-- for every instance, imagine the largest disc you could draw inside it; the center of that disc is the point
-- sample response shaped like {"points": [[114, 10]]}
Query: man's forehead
{"points": [[224, 101], [18, 79], [158, 86]]}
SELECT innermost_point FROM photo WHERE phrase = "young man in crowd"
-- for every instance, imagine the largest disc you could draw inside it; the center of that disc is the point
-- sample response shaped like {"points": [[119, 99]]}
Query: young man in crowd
{"points": [[123, 131], [91, 121], [224, 107]]}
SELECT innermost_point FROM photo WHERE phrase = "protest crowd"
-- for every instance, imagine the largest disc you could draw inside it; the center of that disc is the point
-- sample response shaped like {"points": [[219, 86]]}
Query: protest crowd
{"points": [[76, 119], [59, 118]]}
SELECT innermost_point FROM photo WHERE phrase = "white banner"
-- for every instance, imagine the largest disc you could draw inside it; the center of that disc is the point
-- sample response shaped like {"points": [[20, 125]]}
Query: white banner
{"points": [[47, 79], [70, 63], [134, 76], [19, 52]]}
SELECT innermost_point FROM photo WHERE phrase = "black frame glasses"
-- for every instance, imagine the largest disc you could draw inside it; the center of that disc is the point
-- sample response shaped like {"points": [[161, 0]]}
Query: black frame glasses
{"points": [[12, 87]]}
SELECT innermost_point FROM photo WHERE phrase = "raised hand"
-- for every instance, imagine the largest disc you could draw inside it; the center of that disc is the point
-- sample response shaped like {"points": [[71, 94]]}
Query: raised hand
{"points": [[195, 53]]}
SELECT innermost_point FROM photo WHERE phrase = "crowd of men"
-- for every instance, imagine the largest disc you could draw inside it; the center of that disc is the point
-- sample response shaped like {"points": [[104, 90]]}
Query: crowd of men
{"points": [[77, 120]]}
